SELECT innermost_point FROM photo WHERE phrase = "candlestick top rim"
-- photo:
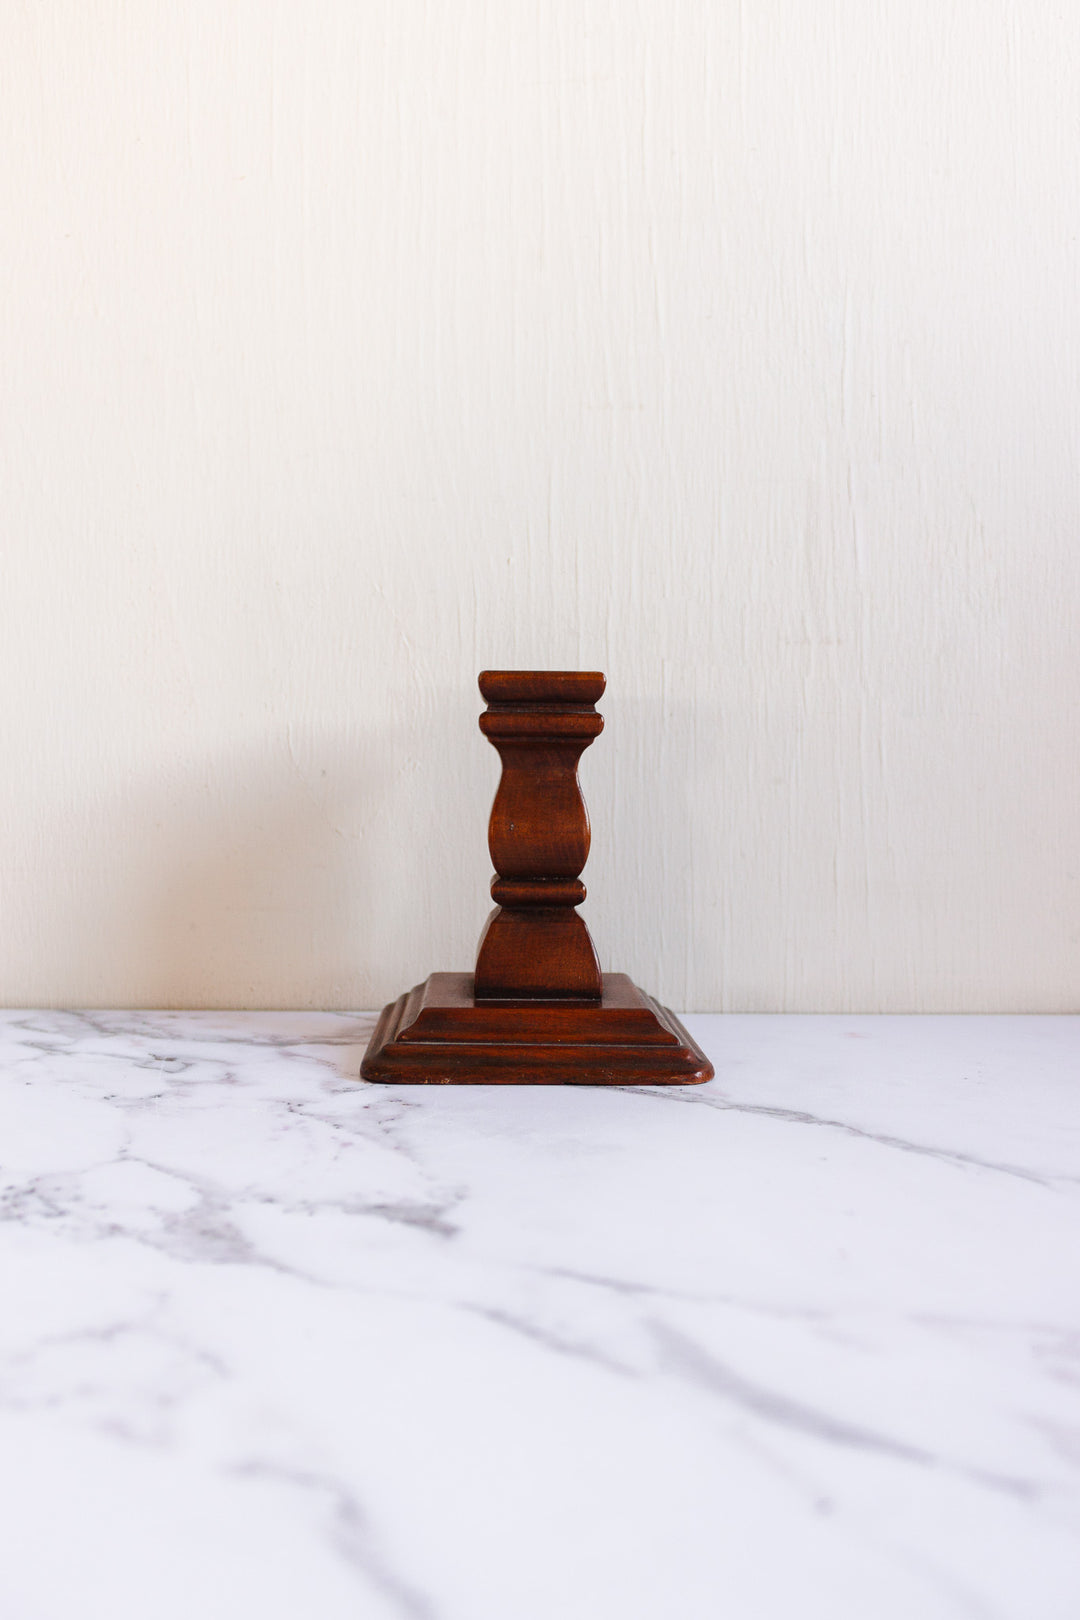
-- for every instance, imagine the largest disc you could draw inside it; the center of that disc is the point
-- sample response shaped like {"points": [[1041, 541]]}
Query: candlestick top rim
{"points": [[541, 686]]}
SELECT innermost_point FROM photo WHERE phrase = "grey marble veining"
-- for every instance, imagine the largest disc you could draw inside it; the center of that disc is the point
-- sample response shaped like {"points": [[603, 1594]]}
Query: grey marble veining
{"points": [[804, 1341]]}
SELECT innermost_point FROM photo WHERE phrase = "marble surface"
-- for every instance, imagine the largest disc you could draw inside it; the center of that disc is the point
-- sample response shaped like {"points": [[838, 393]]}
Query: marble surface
{"points": [[801, 1342]]}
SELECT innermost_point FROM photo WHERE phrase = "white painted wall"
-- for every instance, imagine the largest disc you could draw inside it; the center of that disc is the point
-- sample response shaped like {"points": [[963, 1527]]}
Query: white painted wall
{"points": [[352, 346]]}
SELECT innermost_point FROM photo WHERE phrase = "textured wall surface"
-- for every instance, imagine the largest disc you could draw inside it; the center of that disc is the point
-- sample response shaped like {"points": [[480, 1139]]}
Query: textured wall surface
{"points": [[350, 348]]}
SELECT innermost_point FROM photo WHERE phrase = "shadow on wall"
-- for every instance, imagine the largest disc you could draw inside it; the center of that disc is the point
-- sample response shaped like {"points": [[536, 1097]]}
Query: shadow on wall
{"points": [[265, 881], [251, 882], [325, 871], [259, 880], [334, 870]]}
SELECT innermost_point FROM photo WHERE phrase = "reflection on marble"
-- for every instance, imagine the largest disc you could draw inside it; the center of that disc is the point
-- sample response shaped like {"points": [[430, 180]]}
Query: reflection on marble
{"points": [[801, 1342]]}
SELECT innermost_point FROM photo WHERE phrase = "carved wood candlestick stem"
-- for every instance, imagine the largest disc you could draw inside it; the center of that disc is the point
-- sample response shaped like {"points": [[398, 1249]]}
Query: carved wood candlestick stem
{"points": [[535, 944], [538, 1009]]}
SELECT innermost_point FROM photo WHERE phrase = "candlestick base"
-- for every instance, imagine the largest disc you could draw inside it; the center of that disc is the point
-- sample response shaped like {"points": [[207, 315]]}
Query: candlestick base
{"points": [[439, 1034]]}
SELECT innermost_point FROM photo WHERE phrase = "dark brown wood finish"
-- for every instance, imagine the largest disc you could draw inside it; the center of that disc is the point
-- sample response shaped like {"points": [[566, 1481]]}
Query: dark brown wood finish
{"points": [[538, 1010], [534, 943]]}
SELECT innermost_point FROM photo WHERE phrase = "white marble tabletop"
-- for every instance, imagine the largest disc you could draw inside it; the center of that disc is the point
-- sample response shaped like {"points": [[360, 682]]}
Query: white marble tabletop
{"points": [[804, 1342]]}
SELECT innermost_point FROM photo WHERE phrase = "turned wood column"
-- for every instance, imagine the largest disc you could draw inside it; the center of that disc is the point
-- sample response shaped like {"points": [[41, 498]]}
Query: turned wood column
{"points": [[537, 1011], [534, 945]]}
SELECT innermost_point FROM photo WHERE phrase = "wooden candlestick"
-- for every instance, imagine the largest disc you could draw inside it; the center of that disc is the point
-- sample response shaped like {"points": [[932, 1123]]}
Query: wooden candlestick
{"points": [[538, 1010], [535, 944]]}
